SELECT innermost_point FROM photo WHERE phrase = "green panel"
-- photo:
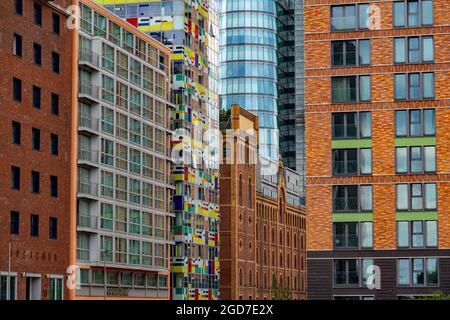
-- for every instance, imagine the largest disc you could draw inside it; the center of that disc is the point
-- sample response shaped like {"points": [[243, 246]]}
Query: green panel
{"points": [[352, 217], [422, 215], [419, 141], [352, 143]]}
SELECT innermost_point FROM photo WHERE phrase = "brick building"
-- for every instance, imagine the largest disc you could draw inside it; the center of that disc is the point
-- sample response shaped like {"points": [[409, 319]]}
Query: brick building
{"points": [[262, 226], [377, 147], [36, 60]]}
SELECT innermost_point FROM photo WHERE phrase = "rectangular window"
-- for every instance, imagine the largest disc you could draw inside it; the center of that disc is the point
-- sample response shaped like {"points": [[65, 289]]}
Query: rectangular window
{"points": [[14, 223], [415, 159], [414, 86], [56, 289], [352, 161], [54, 186], [56, 23], [53, 229], [35, 182], [344, 17], [15, 178], [352, 198], [36, 97], [415, 122], [353, 235], [37, 54], [34, 225], [16, 132], [350, 89], [17, 89], [54, 142], [347, 272], [413, 13], [418, 272], [413, 49], [17, 45], [18, 7], [36, 139], [37, 14], [55, 62], [350, 52], [416, 197], [55, 104]]}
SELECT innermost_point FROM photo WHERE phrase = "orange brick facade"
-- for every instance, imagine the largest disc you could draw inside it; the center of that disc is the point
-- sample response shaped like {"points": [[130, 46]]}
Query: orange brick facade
{"points": [[382, 105], [262, 238]]}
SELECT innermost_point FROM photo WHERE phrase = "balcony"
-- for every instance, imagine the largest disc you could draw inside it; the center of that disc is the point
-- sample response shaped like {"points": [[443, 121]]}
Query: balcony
{"points": [[88, 124], [88, 93], [87, 223], [87, 190], [88, 158], [89, 60]]}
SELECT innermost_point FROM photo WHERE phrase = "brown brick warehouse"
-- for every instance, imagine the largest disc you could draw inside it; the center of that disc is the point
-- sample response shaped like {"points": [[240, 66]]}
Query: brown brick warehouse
{"points": [[262, 224], [378, 177], [35, 99]]}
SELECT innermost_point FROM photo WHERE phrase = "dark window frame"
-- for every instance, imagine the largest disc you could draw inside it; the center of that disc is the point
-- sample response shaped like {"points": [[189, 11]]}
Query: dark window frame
{"points": [[425, 271], [17, 45], [54, 144], [411, 234], [357, 89], [54, 186], [36, 139], [37, 54], [359, 236], [357, 17], [15, 178], [17, 89], [410, 197], [55, 99], [56, 62], [357, 53], [345, 162], [360, 272], [18, 7], [56, 23], [53, 228], [35, 182], [16, 128], [346, 198], [14, 225], [407, 49], [406, 14], [34, 225], [37, 14], [37, 97], [408, 122]]}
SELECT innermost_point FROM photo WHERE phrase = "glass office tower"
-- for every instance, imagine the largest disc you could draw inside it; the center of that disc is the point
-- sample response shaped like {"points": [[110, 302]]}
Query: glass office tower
{"points": [[248, 64]]}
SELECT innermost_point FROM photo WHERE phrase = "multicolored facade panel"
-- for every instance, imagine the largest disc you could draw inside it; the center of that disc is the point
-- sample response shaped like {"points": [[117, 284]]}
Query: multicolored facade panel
{"points": [[189, 28]]}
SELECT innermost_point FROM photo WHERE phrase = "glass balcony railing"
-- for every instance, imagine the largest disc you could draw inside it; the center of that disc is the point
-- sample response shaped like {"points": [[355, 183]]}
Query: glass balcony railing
{"points": [[87, 56], [88, 188], [88, 155]]}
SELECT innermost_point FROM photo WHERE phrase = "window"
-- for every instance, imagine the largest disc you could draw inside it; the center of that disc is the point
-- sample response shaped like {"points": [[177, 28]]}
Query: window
{"points": [[15, 178], [55, 62], [55, 104], [417, 234], [16, 132], [414, 86], [416, 159], [17, 89], [413, 13], [351, 272], [53, 228], [56, 23], [4, 293], [350, 89], [56, 288], [352, 198], [352, 161], [37, 14], [36, 139], [37, 54], [14, 223], [413, 49], [353, 235], [18, 7], [54, 186], [417, 272], [17, 45], [416, 197], [36, 97], [34, 225], [54, 144], [415, 122], [35, 183], [349, 17], [350, 53]]}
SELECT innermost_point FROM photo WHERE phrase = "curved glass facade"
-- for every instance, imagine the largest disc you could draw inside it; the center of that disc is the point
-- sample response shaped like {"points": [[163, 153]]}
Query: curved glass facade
{"points": [[248, 64]]}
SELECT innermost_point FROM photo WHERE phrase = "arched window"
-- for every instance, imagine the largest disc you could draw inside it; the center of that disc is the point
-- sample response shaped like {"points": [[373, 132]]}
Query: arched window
{"points": [[281, 260], [281, 237], [241, 280], [250, 281]]}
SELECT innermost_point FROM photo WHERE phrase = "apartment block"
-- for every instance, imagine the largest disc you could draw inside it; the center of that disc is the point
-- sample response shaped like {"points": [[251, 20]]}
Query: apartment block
{"points": [[189, 29], [263, 225], [377, 116], [124, 189], [35, 150]]}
